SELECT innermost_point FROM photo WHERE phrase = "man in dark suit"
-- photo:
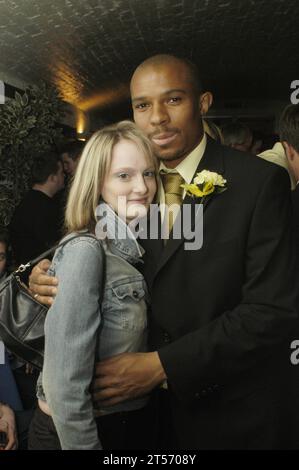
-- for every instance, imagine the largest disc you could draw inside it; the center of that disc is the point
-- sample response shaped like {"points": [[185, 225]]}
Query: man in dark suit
{"points": [[221, 316], [289, 138]]}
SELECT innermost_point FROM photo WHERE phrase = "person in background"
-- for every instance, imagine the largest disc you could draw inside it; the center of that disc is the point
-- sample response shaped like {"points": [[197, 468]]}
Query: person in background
{"points": [[8, 389], [70, 155], [278, 156], [213, 130], [35, 226], [3, 253], [8, 428], [237, 136], [257, 143], [14, 425], [289, 137]]}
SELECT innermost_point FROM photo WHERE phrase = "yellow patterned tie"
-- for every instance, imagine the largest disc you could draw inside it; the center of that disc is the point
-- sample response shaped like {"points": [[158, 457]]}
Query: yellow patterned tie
{"points": [[173, 194]]}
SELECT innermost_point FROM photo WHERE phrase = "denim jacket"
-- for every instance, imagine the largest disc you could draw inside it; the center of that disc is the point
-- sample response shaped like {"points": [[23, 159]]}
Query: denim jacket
{"points": [[99, 311]]}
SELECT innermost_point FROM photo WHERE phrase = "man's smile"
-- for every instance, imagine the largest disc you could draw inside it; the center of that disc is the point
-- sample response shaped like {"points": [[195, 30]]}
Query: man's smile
{"points": [[165, 138]]}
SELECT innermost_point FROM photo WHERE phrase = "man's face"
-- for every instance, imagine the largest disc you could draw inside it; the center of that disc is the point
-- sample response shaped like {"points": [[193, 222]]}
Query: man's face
{"points": [[244, 146], [59, 177], [69, 165], [293, 159], [167, 109]]}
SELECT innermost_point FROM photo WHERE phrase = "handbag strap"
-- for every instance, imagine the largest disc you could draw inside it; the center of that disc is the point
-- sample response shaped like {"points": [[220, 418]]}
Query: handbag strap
{"points": [[23, 267]]}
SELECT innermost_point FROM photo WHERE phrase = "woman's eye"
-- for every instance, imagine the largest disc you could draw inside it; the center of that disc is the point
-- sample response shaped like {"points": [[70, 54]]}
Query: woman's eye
{"points": [[123, 176]]}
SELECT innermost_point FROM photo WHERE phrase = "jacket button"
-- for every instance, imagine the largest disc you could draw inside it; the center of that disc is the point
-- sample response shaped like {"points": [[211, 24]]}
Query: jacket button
{"points": [[166, 337], [135, 294]]}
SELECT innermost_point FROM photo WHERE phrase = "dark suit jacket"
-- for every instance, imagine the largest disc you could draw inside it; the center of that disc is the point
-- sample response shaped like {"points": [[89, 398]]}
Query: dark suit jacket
{"points": [[222, 317]]}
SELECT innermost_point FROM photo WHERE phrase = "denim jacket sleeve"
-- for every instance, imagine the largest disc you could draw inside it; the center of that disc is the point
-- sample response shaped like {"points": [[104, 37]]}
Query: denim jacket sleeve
{"points": [[71, 340]]}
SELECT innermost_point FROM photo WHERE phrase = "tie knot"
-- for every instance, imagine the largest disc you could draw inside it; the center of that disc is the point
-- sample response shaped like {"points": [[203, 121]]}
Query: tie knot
{"points": [[172, 183]]}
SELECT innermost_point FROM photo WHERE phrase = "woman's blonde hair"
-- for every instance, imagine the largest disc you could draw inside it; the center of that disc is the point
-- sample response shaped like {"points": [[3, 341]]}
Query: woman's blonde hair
{"points": [[94, 164]]}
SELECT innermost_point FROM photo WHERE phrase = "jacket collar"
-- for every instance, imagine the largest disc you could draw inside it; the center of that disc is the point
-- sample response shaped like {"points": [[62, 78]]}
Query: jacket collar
{"points": [[118, 235]]}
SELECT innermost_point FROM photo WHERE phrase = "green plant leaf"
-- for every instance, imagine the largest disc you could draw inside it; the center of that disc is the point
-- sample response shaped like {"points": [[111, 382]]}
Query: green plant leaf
{"points": [[27, 128]]}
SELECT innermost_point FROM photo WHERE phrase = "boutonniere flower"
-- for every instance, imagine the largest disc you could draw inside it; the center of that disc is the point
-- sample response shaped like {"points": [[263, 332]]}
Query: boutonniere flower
{"points": [[205, 183]]}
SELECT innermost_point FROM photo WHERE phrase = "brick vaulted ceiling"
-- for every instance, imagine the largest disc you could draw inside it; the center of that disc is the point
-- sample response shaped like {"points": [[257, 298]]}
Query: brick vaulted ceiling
{"points": [[88, 48]]}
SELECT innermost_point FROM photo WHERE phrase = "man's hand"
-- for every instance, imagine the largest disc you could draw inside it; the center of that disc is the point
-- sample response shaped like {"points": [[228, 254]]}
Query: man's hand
{"points": [[42, 286], [8, 426], [126, 376]]}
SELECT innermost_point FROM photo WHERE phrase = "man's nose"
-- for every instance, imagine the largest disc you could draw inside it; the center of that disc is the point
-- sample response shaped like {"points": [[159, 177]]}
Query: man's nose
{"points": [[159, 114]]}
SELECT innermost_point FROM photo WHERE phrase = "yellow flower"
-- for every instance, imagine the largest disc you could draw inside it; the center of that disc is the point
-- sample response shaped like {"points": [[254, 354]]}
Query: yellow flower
{"points": [[206, 176], [193, 189], [205, 183]]}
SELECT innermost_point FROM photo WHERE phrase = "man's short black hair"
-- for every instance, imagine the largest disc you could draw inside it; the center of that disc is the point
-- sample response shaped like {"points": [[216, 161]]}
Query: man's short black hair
{"points": [[73, 149], [289, 126], [192, 68], [44, 166], [235, 133]]}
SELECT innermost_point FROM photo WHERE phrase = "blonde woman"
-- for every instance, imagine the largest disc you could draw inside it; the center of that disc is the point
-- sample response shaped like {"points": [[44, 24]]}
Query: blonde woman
{"points": [[100, 307]]}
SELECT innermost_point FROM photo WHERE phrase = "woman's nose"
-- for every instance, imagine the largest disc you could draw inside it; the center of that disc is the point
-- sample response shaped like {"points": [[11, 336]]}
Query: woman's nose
{"points": [[140, 185]]}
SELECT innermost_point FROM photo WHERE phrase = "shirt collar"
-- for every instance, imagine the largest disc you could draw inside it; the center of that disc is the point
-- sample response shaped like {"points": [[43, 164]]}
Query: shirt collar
{"points": [[188, 166], [277, 155]]}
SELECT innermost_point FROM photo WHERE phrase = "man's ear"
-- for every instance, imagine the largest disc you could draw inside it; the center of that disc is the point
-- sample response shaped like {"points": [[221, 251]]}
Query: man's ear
{"points": [[205, 102], [289, 150], [51, 178]]}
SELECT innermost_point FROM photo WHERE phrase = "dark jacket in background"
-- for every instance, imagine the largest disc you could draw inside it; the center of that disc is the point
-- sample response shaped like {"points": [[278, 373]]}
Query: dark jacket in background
{"points": [[34, 227]]}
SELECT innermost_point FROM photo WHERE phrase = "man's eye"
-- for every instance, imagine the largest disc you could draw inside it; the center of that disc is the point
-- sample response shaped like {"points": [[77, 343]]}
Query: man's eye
{"points": [[149, 174], [175, 99], [141, 106]]}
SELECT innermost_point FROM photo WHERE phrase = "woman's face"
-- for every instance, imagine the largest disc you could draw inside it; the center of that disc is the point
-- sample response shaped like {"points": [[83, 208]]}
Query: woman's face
{"points": [[130, 184]]}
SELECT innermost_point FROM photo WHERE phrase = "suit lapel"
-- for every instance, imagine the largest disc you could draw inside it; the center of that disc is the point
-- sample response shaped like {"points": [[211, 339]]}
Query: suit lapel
{"points": [[212, 160], [153, 246]]}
